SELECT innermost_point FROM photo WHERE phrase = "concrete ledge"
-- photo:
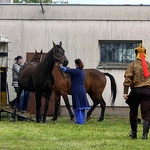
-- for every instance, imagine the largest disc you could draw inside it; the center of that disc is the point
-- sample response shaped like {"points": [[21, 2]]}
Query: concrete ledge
{"points": [[119, 111]]}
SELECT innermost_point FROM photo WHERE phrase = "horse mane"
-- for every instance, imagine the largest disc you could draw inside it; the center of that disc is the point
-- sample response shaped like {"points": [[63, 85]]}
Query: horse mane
{"points": [[46, 56]]}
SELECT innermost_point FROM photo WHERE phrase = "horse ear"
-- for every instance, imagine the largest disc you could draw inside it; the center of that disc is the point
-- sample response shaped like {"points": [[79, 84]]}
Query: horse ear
{"points": [[60, 43], [54, 44], [41, 51], [35, 51]]}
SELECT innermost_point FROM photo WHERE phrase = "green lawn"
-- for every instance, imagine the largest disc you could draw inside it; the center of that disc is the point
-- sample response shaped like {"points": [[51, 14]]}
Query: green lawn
{"points": [[111, 134]]}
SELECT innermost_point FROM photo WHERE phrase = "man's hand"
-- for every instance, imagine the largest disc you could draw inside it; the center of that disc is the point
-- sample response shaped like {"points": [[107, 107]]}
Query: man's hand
{"points": [[125, 96]]}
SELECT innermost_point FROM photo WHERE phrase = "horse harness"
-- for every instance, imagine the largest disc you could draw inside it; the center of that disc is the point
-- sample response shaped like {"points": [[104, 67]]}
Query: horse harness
{"points": [[59, 69]]}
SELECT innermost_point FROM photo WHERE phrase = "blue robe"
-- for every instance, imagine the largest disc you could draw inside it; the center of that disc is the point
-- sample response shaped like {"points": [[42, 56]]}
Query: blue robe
{"points": [[79, 98]]}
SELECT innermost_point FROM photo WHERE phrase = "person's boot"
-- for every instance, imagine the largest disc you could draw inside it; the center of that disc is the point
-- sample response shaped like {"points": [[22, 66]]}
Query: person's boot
{"points": [[145, 129], [130, 134], [133, 133]]}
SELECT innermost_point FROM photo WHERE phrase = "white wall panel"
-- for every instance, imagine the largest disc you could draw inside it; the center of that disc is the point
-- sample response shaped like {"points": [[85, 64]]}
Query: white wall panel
{"points": [[79, 27]]}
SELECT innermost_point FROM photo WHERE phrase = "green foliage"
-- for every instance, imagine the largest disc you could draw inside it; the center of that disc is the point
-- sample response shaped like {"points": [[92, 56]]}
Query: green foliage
{"points": [[60, 1], [32, 1], [38, 1], [111, 134]]}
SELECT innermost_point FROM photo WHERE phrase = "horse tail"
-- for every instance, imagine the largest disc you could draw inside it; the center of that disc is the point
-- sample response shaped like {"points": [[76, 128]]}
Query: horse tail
{"points": [[113, 88]]}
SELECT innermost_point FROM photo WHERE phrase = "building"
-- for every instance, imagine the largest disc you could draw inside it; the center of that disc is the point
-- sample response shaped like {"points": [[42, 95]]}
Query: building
{"points": [[103, 36]]}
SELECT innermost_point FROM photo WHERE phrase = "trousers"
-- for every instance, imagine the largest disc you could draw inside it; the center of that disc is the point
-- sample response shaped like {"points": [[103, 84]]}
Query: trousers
{"points": [[136, 97], [80, 116], [24, 98]]}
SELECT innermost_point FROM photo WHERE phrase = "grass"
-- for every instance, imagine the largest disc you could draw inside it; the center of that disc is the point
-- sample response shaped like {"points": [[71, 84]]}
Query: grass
{"points": [[111, 134]]}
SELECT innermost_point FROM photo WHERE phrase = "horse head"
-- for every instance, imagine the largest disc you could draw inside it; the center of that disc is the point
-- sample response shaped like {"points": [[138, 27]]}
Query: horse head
{"points": [[59, 54], [38, 57]]}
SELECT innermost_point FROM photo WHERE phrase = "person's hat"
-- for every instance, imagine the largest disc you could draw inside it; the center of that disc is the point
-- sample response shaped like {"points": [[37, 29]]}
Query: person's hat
{"points": [[140, 50], [141, 54], [18, 57]]}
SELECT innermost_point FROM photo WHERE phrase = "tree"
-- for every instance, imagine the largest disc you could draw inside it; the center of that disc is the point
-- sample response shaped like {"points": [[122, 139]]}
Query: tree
{"points": [[60, 1], [38, 1]]}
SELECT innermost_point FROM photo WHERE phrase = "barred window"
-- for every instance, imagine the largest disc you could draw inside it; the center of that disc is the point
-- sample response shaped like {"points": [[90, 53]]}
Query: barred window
{"points": [[117, 54]]}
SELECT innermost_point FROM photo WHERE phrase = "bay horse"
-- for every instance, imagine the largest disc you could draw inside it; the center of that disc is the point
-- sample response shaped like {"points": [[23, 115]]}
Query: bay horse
{"points": [[95, 82], [38, 78], [37, 57]]}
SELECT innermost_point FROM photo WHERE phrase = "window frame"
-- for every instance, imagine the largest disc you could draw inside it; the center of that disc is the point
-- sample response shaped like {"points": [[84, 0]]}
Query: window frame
{"points": [[114, 65]]}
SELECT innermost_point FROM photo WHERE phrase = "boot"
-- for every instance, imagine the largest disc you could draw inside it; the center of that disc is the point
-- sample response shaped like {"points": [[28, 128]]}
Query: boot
{"points": [[130, 134], [145, 136], [133, 133], [145, 129]]}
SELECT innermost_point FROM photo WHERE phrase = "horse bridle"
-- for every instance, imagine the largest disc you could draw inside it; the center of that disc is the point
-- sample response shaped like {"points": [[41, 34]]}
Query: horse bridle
{"points": [[57, 58], [61, 72], [58, 67], [41, 57]]}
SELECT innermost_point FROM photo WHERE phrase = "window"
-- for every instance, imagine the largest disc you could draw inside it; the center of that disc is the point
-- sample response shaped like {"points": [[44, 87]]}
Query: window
{"points": [[117, 54]]}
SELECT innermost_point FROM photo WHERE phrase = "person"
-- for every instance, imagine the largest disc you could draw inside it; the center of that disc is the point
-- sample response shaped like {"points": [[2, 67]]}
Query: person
{"points": [[23, 104], [137, 77], [79, 98]]}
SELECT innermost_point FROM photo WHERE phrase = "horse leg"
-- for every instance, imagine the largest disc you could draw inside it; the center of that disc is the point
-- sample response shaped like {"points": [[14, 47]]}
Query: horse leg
{"points": [[48, 94], [95, 103], [38, 97], [103, 105], [65, 97], [57, 104]]}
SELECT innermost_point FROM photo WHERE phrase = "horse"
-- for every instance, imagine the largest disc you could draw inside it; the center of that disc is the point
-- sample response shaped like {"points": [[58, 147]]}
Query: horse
{"points": [[37, 57], [95, 82], [38, 78]]}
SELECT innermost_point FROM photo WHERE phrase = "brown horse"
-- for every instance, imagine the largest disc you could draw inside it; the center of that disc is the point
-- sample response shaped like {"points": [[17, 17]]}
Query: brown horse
{"points": [[38, 78], [95, 82], [37, 57]]}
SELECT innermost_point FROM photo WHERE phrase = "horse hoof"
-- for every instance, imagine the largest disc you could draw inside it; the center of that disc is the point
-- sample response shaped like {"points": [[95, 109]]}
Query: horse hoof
{"points": [[44, 121], [88, 118], [99, 120], [37, 121], [12, 120], [53, 119], [72, 120]]}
